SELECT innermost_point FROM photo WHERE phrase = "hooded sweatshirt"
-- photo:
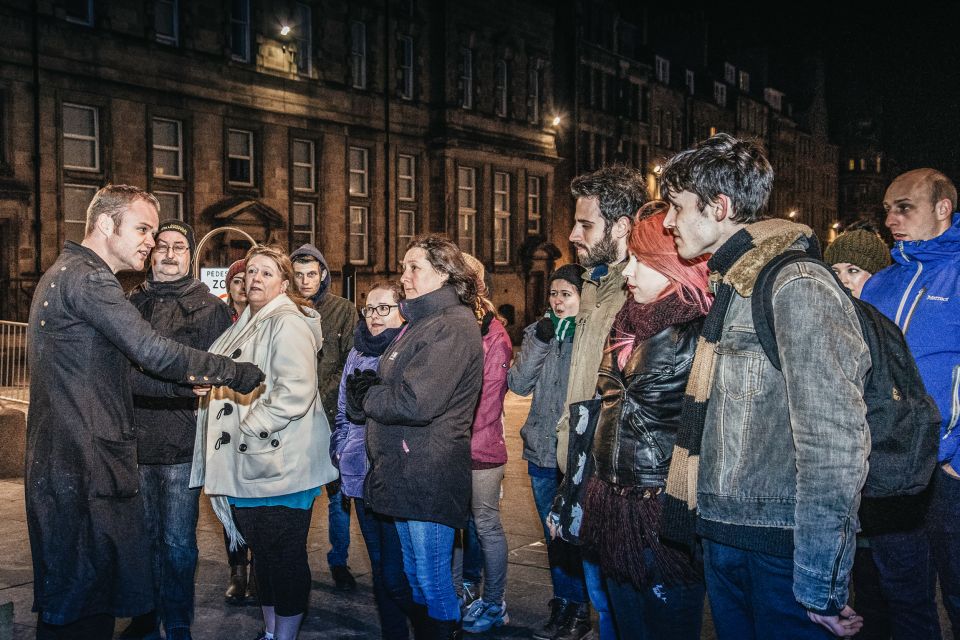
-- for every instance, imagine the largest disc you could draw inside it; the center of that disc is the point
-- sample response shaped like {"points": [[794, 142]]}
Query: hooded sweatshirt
{"points": [[338, 317]]}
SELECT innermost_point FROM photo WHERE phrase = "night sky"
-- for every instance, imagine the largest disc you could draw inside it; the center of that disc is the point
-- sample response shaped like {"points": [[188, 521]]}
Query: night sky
{"points": [[907, 64]]}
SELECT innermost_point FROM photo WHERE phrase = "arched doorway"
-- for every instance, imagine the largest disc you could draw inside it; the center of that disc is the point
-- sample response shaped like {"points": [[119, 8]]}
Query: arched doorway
{"points": [[262, 222], [537, 258]]}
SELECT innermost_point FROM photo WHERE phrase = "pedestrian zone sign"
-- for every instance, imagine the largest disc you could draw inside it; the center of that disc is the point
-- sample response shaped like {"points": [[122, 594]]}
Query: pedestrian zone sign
{"points": [[215, 279]]}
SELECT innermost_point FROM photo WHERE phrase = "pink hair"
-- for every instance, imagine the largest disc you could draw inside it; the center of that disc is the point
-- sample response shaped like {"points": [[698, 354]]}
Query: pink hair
{"points": [[653, 246]]}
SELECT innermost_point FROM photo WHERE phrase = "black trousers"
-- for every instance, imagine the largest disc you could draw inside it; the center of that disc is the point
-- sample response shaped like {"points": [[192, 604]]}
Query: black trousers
{"points": [[277, 537], [98, 627]]}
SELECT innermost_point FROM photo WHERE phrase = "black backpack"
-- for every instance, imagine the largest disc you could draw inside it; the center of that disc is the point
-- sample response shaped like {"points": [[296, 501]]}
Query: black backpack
{"points": [[904, 420]]}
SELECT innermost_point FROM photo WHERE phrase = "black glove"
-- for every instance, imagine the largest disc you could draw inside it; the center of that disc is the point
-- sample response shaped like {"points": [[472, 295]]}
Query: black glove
{"points": [[358, 383], [544, 330], [246, 377]]}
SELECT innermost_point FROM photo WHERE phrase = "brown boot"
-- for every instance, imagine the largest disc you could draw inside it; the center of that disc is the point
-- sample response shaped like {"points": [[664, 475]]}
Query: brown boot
{"points": [[237, 587], [250, 594]]}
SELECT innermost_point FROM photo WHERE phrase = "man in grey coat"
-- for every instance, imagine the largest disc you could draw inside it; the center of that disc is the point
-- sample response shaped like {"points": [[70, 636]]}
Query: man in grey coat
{"points": [[91, 558]]}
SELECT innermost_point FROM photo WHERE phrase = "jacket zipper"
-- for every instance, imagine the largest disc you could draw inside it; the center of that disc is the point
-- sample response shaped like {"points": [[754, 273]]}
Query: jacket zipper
{"points": [[954, 402], [839, 558], [913, 307], [906, 293]]}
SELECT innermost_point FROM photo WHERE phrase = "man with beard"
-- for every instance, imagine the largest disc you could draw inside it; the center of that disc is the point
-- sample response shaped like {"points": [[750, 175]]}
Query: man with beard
{"points": [[607, 202], [179, 307]]}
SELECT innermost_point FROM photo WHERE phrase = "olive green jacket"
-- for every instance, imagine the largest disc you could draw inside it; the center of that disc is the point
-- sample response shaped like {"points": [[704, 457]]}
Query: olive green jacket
{"points": [[600, 300]]}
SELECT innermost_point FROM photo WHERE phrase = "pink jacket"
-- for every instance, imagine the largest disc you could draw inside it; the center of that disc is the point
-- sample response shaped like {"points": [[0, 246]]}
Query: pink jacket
{"points": [[487, 444]]}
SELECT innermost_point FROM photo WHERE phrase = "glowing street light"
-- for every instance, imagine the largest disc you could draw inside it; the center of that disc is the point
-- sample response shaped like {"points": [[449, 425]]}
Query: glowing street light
{"points": [[285, 30], [556, 121], [835, 225], [792, 214], [657, 169]]}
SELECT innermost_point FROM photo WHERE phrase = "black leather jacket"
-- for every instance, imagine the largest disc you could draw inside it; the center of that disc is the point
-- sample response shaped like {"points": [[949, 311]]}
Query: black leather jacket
{"points": [[640, 408]]}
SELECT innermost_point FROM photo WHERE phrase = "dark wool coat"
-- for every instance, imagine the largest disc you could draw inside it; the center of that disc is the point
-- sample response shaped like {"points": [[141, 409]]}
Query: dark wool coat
{"points": [[183, 310], [85, 515], [419, 418]]}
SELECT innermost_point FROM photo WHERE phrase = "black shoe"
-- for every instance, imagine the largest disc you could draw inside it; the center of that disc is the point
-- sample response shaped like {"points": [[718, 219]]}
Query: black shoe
{"points": [[559, 616], [237, 587], [342, 578], [446, 629], [577, 622], [142, 627]]}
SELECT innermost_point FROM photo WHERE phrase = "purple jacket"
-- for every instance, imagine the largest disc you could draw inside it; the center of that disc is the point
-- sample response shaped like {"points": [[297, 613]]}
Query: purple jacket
{"points": [[487, 444], [348, 441]]}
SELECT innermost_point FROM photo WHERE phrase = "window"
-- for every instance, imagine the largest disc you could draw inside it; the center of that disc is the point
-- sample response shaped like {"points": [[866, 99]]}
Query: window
{"points": [[79, 12], [667, 130], [690, 82], [655, 126], [744, 82], [358, 54], [406, 229], [406, 177], [720, 94], [171, 204], [76, 199], [405, 62], [358, 234], [466, 78], [304, 166], [677, 131], [534, 81], [167, 148], [166, 21], [533, 205], [713, 131], [81, 137], [240, 157], [467, 209], [304, 38], [304, 217], [879, 164], [773, 98], [729, 73], [501, 217], [500, 93], [863, 164], [359, 172], [240, 30], [662, 69]]}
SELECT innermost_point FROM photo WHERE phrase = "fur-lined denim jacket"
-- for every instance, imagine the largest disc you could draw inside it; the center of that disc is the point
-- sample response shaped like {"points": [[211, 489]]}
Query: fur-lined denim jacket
{"points": [[784, 454]]}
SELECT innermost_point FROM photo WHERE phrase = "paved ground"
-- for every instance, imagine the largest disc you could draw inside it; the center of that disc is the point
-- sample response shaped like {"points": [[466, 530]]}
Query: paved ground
{"points": [[332, 615]]}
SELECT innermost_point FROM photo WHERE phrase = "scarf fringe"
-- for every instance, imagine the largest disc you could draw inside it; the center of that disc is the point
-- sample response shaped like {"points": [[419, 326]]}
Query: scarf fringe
{"points": [[620, 529], [221, 508]]}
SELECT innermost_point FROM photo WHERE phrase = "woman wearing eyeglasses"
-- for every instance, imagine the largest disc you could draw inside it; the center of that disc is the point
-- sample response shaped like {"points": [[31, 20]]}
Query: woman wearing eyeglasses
{"points": [[381, 323]]}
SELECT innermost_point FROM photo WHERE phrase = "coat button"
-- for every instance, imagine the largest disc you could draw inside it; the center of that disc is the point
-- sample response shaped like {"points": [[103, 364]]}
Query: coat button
{"points": [[63, 268], [275, 442], [235, 354], [243, 447], [43, 323], [192, 378], [264, 434], [53, 284], [46, 303]]}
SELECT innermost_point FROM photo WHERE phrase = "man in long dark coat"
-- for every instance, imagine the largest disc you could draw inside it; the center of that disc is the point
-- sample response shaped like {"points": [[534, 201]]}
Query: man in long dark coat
{"points": [[91, 557]]}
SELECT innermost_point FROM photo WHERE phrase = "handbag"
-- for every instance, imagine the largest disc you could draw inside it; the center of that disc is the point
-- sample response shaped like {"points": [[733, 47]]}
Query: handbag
{"points": [[568, 504]]}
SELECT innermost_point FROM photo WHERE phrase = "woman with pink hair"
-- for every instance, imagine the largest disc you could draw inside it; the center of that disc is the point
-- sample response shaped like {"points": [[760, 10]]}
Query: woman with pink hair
{"points": [[654, 591]]}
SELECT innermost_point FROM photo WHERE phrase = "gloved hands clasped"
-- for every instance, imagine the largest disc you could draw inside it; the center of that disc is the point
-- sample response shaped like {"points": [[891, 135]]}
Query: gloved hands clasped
{"points": [[357, 385]]}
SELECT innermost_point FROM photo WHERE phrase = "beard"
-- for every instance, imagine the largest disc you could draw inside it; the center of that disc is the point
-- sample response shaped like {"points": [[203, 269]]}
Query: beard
{"points": [[603, 252]]}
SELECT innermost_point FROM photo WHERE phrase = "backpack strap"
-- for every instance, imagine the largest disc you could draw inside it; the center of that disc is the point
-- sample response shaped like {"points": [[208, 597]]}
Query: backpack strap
{"points": [[761, 302]]}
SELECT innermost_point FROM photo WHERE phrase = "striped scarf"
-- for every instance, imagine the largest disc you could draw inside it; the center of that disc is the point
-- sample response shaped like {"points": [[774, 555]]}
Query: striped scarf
{"points": [[733, 269]]}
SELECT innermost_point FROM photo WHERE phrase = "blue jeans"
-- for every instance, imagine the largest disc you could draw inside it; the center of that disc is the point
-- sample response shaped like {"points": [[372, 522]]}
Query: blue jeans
{"points": [[171, 509], [751, 596], [427, 554], [391, 591], [943, 529], [903, 585], [659, 610], [472, 553], [598, 598], [566, 569], [338, 522]]}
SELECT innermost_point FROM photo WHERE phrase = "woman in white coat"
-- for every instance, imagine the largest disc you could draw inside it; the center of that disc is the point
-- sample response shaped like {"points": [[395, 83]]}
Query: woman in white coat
{"points": [[263, 456]]}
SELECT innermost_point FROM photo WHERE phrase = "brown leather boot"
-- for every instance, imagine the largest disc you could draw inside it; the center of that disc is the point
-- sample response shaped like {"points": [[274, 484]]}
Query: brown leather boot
{"points": [[237, 587], [250, 594]]}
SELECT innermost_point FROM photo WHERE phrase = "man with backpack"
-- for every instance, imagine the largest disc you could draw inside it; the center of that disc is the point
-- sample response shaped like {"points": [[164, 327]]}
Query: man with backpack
{"points": [[768, 465], [920, 292]]}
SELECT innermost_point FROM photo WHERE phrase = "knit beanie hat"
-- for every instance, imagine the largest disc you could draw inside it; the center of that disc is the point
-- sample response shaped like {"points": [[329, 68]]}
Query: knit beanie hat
{"points": [[859, 247], [572, 273], [180, 227], [235, 268]]}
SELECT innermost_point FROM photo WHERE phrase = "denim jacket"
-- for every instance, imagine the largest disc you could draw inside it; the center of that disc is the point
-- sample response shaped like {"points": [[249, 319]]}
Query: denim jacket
{"points": [[784, 453]]}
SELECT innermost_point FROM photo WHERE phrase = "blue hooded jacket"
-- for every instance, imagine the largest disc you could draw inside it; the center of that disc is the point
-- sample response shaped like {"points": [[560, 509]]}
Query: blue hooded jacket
{"points": [[920, 291]]}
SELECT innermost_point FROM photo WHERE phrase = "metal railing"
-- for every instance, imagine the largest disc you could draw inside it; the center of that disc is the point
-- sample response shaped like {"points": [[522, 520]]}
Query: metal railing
{"points": [[14, 371]]}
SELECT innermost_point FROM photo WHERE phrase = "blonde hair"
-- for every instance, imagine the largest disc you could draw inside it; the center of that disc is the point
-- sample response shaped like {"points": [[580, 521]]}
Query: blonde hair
{"points": [[285, 267]]}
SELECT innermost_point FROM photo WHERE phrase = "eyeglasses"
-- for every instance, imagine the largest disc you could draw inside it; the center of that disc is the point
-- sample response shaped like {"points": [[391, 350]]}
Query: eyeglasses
{"points": [[178, 249], [380, 309]]}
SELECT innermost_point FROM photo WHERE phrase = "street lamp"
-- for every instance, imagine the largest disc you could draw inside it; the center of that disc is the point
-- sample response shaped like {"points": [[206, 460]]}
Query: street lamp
{"points": [[556, 121], [792, 214], [285, 30]]}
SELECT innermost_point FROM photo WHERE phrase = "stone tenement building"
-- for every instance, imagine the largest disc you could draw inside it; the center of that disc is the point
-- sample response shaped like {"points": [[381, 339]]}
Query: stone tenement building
{"points": [[355, 126], [358, 125]]}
